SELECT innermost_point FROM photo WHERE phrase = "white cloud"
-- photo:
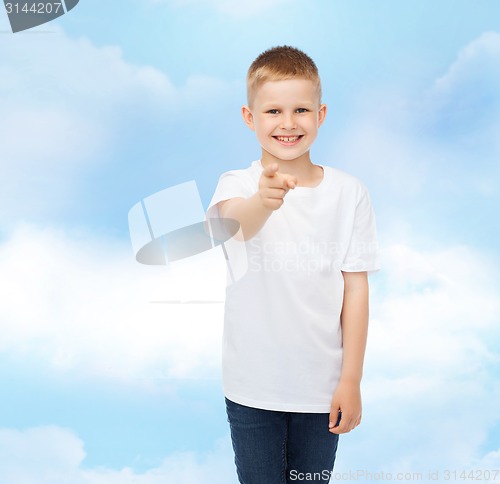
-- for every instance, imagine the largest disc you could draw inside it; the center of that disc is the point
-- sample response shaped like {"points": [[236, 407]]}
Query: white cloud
{"points": [[53, 455], [60, 102], [490, 464], [75, 72], [74, 303], [51, 450], [65, 104], [442, 142], [463, 104], [477, 65]]}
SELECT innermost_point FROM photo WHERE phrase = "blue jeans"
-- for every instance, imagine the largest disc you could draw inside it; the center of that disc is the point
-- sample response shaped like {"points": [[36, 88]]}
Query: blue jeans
{"points": [[273, 447]]}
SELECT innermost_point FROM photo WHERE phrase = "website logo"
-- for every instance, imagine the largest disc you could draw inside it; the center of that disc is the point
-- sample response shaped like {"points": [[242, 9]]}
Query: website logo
{"points": [[26, 14]]}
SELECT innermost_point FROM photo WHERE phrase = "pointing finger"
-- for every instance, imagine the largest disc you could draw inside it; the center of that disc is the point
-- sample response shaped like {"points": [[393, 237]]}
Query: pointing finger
{"points": [[270, 170]]}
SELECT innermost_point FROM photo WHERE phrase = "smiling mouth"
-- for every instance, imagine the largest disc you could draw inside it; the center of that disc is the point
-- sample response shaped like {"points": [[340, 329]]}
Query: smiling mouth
{"points": [[288, 139]]}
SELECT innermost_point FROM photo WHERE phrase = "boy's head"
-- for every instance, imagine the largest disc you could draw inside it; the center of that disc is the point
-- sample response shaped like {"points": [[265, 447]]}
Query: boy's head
{"points": [[279, 64], [284, 103]]}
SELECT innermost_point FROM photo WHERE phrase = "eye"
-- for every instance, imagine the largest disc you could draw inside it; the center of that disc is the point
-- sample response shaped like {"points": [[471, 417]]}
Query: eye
{"points": [[302, 110], [273, 111]]}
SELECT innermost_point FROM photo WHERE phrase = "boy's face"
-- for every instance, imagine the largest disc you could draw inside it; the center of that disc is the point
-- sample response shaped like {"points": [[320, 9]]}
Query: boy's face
{"points": [[285, 116]]}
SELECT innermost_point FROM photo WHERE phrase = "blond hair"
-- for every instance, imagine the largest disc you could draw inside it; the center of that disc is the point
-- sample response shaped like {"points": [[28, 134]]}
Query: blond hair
{"points": [[279, 64]]}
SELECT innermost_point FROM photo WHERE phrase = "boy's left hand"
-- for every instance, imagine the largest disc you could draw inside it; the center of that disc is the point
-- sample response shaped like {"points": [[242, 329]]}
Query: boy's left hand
{"points": [[347, 399]]}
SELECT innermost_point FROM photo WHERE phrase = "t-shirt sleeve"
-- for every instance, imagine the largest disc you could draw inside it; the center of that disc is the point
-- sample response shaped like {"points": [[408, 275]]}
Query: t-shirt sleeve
{"points": [[363, 251], [231, 184]]}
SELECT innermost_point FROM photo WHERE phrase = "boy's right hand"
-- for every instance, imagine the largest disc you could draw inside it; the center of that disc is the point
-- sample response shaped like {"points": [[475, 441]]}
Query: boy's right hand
{"points": [[273, 186]]}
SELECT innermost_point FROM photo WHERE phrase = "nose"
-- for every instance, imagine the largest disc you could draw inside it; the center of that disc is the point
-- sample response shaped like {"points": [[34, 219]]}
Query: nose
{"points": [[288, 121]]}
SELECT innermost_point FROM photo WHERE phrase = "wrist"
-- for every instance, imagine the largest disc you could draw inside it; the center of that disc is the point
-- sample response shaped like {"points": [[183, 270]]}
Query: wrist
{"points": [[350, 380]]}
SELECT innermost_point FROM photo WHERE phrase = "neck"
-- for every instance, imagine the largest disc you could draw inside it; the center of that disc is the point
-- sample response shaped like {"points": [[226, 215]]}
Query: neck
{"points": [[306, 172], [293, 167]]}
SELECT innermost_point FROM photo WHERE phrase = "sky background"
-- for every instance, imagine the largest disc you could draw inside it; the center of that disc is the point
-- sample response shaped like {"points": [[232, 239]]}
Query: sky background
{"points": [[118, 100]]}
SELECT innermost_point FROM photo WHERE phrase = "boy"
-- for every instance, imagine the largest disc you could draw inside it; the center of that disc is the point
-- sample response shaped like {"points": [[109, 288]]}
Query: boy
{"points": [[295, 322]]}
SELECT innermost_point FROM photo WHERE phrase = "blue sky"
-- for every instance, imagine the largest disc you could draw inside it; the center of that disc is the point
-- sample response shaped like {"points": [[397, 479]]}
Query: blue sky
{"points": [[116, 101]]}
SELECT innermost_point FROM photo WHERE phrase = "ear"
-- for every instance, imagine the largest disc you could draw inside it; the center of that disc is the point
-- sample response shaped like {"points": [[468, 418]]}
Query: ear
{"points": [[248, 117], [321, 114]]}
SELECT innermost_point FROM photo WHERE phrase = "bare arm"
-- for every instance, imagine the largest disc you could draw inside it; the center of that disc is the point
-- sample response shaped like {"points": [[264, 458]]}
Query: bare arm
{"points": [[249, 212], [354, 319], [354, 325], [253, 212]]}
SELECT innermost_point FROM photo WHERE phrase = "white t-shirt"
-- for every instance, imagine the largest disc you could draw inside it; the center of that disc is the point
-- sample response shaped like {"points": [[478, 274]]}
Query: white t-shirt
{"points": [[282, 343]]}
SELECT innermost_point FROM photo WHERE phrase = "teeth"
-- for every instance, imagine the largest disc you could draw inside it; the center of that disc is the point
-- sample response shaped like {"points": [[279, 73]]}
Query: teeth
{"points": [[287, 140]]}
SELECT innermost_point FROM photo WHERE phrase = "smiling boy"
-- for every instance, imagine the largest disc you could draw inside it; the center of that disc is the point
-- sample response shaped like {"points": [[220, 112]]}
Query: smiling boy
{"points": [[295, 323]]}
